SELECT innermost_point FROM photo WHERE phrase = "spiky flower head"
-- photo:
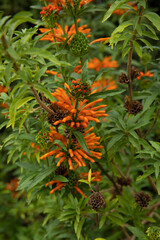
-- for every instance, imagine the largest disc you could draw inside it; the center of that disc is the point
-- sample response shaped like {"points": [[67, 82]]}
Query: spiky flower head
{"points": [[142, 199], [153, 233], [97, 201], [79, 44]]}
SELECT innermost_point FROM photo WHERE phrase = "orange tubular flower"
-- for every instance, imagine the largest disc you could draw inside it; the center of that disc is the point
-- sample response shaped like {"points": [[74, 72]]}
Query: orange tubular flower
{"points": [[95, 175], [108, 84], [61, 35], [62, 2], [120, 12], [12, 186], [3, 89], [147, 74], [96, 64], [100, 40], [85, 113], [77, 153]]}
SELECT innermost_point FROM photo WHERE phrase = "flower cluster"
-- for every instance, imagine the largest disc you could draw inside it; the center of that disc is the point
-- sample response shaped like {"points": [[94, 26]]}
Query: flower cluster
{"points": [[81, 115], [79, 88], [49, 9], [73, 178], [73, 151]]}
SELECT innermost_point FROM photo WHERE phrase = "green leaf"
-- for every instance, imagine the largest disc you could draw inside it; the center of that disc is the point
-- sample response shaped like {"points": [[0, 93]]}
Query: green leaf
{"points": [[156, 145], [146, 43], [146, 173], [89, 175], [150, 35], [157, 165], [45, 54], [12, 53], [158, 185], [81, 141], [114, 140], [137, 232], [79, 229], [100, 239], [113, 7], [137, 49], [154, 18], [125, 52], [60, 178], [16, 105], [43, 90], [119, 29], [83, 181], [102, 221]]}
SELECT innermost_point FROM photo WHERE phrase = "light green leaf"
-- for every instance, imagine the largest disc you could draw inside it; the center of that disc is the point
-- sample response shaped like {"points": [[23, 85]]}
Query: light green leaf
{"points": [[60, 178], [43, 90], [119, 29], [45, 54], [154, 18], [113, 7], [89, 175]]}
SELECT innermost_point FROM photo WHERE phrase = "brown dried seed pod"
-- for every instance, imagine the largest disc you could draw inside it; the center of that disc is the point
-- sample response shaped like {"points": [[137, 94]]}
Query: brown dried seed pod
{"points": [[133, 108], [97, 200], [124, 181], [57, 115], [61, 170], [116, 191], [123, 78], [142, 199], [134, 72]]}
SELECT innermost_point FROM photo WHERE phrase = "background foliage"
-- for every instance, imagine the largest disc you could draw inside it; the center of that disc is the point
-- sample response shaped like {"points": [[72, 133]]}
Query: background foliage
{"points": [[131, 142]]}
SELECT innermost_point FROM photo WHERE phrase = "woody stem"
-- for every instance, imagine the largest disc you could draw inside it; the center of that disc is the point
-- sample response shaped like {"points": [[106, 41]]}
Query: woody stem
{"points": [[40, 102], [130, 55], [107, 175]]}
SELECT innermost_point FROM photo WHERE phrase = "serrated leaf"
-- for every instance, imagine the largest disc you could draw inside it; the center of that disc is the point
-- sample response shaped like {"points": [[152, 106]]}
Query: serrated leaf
{"points": [[150, 35], [81, 141], [154, 18], [113, 7]]}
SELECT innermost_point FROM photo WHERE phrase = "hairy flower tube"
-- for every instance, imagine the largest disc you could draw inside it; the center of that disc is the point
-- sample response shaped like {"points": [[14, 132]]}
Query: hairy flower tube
{"points": [[96, 64], [72, 183], [74, 151], [80, 116], [61, 35]]}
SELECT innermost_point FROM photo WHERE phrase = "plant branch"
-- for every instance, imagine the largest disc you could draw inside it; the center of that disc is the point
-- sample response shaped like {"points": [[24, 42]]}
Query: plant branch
{"points": [[155, 120], [108, 176], [5, 45], [130, 55], [40, 102]]}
